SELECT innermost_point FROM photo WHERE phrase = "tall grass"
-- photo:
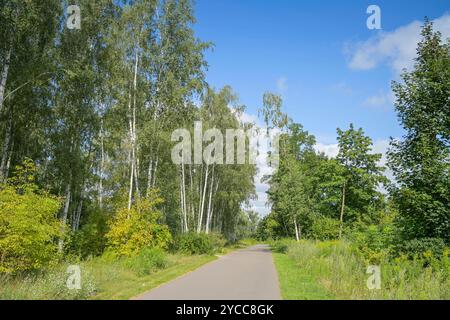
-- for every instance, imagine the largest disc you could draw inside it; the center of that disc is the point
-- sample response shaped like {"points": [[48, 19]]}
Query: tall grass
{"points": [[341, 270], [50, 284], [98, 275]]}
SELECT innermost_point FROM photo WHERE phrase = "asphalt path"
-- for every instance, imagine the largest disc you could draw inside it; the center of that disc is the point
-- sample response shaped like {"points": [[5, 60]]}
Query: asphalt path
{"points": [[246, 274]]}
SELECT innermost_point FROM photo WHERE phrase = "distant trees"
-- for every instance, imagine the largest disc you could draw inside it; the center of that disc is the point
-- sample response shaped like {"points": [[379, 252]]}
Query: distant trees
{"points": [[360, 175], [421, 161], [318, 195], [308, 187]]}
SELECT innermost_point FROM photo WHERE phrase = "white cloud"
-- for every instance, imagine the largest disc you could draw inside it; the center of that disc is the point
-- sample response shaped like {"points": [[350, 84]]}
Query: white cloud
{"points": [[396, 48], [381, 99], [330, 150], [282, 85], [379, 146], [260, 204], [247, 117]]}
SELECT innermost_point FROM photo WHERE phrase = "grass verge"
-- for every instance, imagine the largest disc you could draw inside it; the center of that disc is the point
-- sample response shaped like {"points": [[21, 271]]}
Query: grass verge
{"points": [[119, 284], [101, 278], [108, 277], [335, 270], [295, 284]]}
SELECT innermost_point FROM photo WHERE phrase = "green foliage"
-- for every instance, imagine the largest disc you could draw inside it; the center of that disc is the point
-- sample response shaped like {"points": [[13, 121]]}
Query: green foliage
{"points": [[28, 223], [422, 247], [374, 242], [147, 261], [90, 240], [133, 229], [282, 245], [361, 175], [337, 268], [247, 224], [324, 228], [199, 243], [47, 285], [268, 228], [420, 161]]}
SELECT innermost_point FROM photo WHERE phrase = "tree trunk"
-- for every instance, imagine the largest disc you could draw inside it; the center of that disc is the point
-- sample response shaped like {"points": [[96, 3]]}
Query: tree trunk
{"points": [[130, 192], [154, 173], [297, 235], [149, 175], [5, 151], [65, 213], [342, 211], [182, 217], [102, 168], [77, 216], [183, 197], [208, 212], [4, 77], [200, 218]]}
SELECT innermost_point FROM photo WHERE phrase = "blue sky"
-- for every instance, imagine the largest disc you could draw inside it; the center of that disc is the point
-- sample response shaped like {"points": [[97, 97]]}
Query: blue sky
{"points": [[297, 48], [319, 55]]}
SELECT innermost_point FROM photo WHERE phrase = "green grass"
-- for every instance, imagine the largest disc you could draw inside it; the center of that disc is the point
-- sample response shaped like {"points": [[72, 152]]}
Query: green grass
{"points": [[335, 270], [296, 284], [101, 278], [119, 283], [107, 277]]}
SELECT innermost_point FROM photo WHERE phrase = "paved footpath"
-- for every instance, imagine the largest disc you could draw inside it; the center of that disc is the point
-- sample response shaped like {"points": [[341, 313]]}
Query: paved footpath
{"points": [[246, 274]]}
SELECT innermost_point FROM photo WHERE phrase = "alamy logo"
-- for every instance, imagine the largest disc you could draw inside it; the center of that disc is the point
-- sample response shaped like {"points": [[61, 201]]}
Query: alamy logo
{"points": [[374, 281], [374, 20], [241, 146], [74, 279], [74, 17]]}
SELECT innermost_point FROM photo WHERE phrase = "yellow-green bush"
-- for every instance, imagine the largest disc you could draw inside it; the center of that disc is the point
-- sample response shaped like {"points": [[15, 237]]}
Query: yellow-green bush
{"points": [[28, 223], [138, 227], [338, 267], [199, 243], [147, 261], [89, 240], [324, 228]]}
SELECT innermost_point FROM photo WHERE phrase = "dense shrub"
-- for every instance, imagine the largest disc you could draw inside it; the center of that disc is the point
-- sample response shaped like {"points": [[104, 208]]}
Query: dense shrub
{"points": [[28, 223], [147, 261], [268, 228], [137, 228], [420, 247], [281, 246], [90, 240], [199, 243], [374, 242], [325, 228]]}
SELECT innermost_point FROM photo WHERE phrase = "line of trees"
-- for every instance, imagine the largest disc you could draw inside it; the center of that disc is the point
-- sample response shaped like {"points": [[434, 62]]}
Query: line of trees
{"points": [[320, 197], [94, 109]]}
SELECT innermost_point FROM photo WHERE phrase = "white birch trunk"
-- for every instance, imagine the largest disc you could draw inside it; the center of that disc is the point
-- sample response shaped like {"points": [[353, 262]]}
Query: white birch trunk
{"points": [[149, 176], [5, 151], [154, 173], [208, 212], [200, 218], [183, 186], [102, 167], [297, 236], [4, 77], [134, 135], [65, 213]]}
